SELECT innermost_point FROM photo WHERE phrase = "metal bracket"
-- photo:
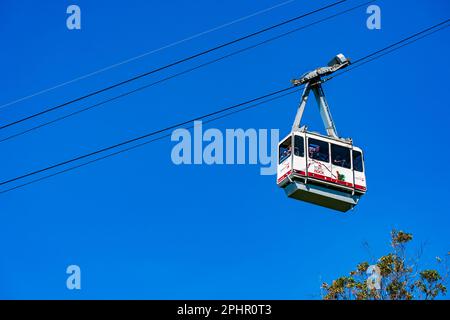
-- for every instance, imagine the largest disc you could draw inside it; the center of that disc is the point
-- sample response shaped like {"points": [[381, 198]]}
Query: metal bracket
{"points": [[313, 81]]}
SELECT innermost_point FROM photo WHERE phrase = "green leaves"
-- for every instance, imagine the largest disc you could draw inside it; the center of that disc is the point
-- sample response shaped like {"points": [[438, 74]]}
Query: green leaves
{"points": [[399, 279], [400, 237], [430, 284]]}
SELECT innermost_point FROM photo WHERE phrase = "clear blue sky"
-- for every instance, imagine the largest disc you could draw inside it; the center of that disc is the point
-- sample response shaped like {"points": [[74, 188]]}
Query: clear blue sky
{"points": [[141, 227]]}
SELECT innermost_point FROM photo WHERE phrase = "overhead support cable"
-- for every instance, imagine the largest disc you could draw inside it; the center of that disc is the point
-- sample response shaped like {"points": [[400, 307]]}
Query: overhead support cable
{"points": [[172, 64], [234, 109], [125, 94]]}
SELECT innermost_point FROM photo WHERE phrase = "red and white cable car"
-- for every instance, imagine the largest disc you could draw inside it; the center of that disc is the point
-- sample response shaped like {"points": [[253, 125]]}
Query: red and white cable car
{"points": [[324, 170]]}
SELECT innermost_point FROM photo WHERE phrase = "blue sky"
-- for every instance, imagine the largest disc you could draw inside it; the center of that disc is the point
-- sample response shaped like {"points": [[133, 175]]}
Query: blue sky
{"points": [[141, 227]]}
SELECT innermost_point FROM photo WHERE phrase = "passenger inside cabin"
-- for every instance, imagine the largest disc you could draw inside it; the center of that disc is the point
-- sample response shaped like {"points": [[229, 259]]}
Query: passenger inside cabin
{"points": [[314, 151], [285, 150], [286, 153], [318, 152], [339, 161]]}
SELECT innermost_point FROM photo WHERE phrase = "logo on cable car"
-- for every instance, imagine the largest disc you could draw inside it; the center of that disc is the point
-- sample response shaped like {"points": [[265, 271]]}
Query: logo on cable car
{"points": [[318, 169], [286, 166]]}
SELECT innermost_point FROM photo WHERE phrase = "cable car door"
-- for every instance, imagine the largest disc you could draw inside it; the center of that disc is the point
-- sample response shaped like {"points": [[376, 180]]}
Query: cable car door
{"points": [[299, 160], [319, 166], [358, 167], [341, 165]]}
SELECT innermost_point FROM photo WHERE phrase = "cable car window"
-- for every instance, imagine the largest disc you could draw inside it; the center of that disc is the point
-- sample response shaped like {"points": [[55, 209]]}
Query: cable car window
{"points": [[357, 161], [285, 149], [340, 156], [299, 146], [318, 150]]}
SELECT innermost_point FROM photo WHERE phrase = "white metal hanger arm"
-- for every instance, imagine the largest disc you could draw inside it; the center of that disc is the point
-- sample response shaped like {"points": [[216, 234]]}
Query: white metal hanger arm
{"points": [[312, 81]]}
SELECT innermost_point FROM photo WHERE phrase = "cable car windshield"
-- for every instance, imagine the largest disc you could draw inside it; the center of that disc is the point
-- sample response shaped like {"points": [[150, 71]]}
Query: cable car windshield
{"points": [[285, 149]]}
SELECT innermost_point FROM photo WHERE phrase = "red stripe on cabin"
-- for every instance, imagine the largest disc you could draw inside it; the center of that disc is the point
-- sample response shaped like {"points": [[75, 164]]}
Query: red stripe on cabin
{"points": [[325, 178], [284, 176], [328, 179]]}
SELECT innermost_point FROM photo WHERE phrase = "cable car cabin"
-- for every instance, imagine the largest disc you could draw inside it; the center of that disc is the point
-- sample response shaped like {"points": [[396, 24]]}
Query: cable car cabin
{"points": [[321, 170]]}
